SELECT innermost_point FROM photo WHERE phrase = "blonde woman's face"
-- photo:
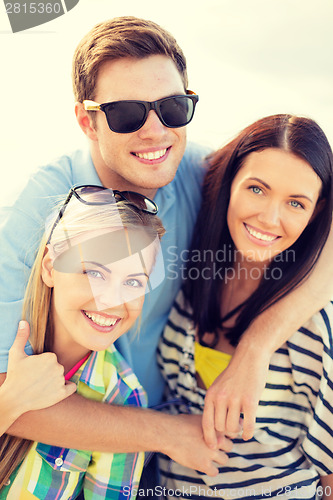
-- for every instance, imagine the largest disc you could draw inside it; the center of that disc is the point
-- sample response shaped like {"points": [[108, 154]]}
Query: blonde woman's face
{"points": [[95, 302]]}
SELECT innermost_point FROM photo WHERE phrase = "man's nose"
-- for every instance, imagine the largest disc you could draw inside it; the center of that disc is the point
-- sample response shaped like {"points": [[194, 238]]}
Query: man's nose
{"points": [[153, 127]]}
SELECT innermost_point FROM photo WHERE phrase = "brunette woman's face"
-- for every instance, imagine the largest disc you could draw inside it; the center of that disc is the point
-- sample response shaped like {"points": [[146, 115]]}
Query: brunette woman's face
{"points": [[273, 197]]}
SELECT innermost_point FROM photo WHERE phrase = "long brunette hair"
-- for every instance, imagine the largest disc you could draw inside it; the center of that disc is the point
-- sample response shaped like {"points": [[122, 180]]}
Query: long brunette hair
{"points": [[203, 286]]}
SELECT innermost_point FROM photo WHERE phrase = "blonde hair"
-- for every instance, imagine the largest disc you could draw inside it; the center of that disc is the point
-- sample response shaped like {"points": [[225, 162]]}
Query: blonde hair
{"points": [[78, 219]]}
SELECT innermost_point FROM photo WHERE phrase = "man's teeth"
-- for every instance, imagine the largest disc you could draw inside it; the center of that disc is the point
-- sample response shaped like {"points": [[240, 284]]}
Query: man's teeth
{"points": [[152, 155], [101, 320], [260, 236]]}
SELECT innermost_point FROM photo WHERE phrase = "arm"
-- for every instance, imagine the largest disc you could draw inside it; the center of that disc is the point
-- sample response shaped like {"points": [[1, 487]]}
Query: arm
{"points": [[35, 382], [239, 387], [32, 382], [85, 424]]}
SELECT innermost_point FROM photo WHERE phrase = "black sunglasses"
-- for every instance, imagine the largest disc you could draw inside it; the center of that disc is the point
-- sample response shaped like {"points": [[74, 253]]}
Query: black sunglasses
{"points": [[99, 195], [125, 117]]}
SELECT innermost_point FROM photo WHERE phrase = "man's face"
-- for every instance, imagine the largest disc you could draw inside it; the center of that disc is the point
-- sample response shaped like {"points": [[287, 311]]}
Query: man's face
{"points": [[148, 158]]}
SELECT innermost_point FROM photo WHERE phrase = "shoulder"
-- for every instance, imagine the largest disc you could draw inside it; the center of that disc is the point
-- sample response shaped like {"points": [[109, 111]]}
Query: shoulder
{"points": [[319, 326], [65, 165], [311, 347], [54, 179], [193, 162], [195, 153], [185, 188], [49, 183], [318, 443]]}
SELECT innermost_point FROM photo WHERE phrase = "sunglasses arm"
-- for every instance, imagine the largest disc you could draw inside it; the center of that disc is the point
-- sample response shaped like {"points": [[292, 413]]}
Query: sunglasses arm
{"points": [[91, 106]]}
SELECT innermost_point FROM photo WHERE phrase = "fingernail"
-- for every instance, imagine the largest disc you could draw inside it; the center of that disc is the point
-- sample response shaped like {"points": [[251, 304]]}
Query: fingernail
{"points": [[21, 325]]}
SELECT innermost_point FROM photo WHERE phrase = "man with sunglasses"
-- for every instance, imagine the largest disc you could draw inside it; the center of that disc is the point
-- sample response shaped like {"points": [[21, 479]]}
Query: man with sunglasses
{"points": [[132, 103], [130, 84]]}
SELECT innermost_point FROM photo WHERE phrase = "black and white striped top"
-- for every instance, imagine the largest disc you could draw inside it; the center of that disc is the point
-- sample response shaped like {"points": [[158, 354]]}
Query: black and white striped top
{"points": [[293, 440]]}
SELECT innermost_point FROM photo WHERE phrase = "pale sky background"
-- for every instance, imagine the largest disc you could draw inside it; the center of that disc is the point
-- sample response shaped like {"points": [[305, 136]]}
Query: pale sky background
{"points": [[246, 59]]}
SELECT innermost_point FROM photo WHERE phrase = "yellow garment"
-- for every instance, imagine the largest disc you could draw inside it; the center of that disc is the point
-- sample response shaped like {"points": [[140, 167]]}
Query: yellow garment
{"points": [[209, 363]]}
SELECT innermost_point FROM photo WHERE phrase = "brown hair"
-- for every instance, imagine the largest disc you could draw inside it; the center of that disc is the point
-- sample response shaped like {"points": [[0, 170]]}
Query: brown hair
{"points": [[119, 38], [299, 136]]}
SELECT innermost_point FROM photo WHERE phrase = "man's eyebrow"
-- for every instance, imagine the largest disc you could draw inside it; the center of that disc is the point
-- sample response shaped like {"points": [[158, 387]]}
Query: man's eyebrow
{"points": [[268, 187]]}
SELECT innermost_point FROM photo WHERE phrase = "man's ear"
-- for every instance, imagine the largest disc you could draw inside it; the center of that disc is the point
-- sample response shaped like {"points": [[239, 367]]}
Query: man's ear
{"points": [[47, 268], [85, 121]]}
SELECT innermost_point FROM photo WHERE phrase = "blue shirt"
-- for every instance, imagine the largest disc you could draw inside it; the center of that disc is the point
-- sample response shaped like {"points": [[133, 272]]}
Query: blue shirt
{"points": [[22, 225]]}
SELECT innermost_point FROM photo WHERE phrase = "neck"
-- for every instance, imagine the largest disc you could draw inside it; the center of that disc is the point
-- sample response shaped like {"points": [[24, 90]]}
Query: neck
{"points": [[247, 270], [68, 356], [240, 283]]}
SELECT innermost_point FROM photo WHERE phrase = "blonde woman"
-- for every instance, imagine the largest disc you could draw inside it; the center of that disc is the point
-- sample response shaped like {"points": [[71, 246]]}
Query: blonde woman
{"points": [[87, 288]]}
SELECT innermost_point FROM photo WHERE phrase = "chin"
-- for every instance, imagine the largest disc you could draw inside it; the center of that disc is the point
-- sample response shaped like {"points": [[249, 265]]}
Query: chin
{"points": [[159, 179]]}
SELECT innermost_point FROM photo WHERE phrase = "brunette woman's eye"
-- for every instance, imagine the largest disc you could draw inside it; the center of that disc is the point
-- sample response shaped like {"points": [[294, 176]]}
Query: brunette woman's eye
{"points": [[255, 189], [296, 204]]}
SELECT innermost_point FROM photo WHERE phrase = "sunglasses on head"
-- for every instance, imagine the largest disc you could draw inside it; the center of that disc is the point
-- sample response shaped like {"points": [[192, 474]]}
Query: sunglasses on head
{"points": [[99, 195], [125, 117]]}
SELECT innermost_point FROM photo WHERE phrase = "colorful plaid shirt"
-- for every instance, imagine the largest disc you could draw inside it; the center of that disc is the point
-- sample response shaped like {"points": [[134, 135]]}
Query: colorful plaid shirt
{"points": [[55, 473]]}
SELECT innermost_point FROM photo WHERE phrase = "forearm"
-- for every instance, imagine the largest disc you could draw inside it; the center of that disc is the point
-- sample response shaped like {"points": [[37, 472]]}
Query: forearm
{"points": [[275, 325], [89, 425], [80, 423]]}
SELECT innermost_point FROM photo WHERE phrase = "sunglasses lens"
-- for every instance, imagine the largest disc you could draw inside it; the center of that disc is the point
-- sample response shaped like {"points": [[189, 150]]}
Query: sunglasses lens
{"points": [[95, 195], [177, 111], [139, 201], [124, 116]]}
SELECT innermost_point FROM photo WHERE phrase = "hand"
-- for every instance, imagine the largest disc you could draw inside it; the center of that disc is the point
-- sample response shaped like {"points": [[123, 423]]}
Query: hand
{"points": [[37, 381], [236, 390], [186, 445]]}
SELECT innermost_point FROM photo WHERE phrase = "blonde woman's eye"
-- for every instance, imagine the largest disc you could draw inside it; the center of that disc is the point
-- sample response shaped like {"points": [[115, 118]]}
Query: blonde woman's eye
{"points": [[134, 283], [256, 189], [93, 273]]}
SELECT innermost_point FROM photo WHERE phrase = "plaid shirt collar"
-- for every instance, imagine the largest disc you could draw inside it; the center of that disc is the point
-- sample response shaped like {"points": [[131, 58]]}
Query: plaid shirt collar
{"points": [[89, 374]]}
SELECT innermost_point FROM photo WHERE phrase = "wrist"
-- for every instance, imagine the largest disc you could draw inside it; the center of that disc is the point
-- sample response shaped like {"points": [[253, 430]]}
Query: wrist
{"points": [[165, 442], [11, 407], [250, 348]]}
